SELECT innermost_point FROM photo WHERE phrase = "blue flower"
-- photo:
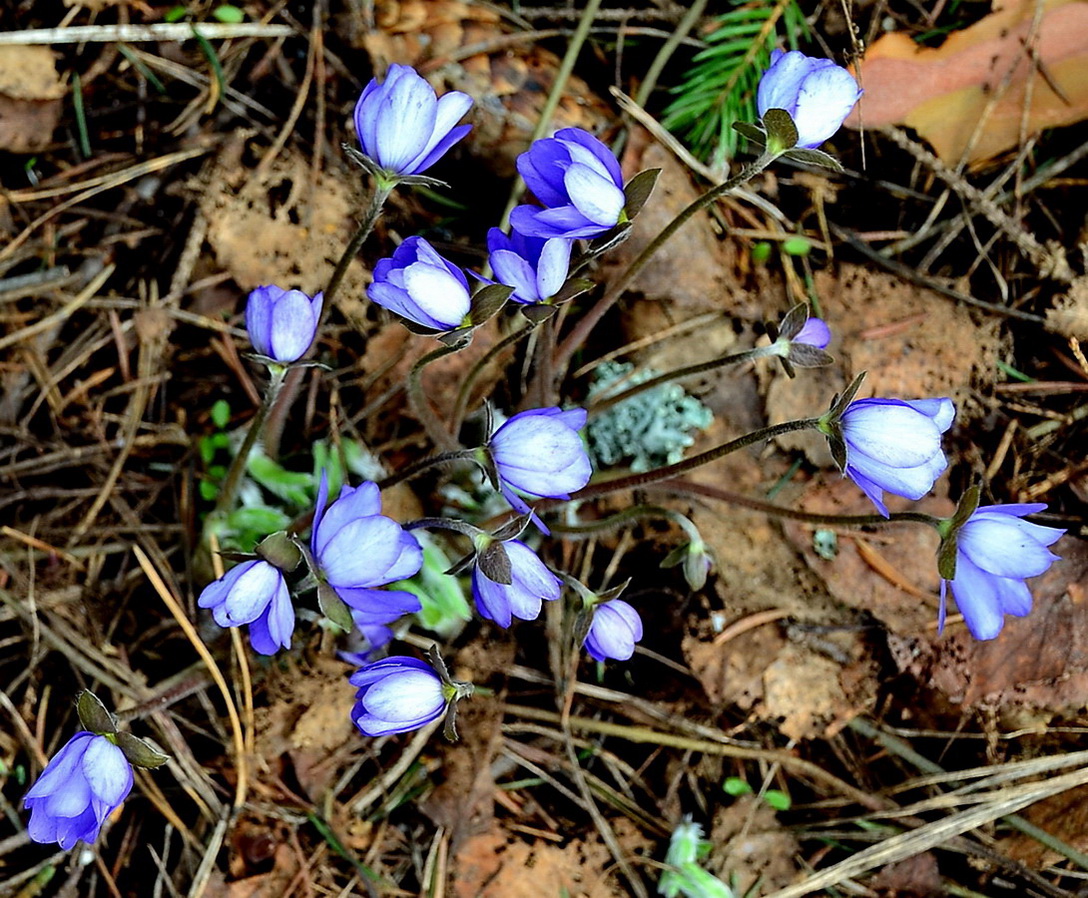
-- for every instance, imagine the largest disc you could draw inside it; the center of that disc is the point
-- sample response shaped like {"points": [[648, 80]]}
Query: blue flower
{"points": [[895, 445], [540, 453], [80, 787], [614, 630], [995, 552], [282, 323], [254, 593], [403, 127], [816, 93], [531, 583], [356, 549], [396, 695], [578, 179], [418, 284], [536, 268], [814, 332]]}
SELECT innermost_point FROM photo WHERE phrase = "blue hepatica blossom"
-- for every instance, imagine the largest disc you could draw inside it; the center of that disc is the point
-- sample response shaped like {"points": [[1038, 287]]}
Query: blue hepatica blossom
{"points": [[814, 332], [895, 445], [540, 453], [357, 549], [536, 268], [578, 179], [418, 284], [403, 126], [816, 93], [995, 552], [613, 632], [396, 695], [531, 584], [254, 593], [80, 787], [282, 323]]}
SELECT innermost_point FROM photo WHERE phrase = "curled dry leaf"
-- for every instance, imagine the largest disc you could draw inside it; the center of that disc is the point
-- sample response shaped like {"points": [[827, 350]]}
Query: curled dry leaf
{"points": [[30, 98], [945, 92]]}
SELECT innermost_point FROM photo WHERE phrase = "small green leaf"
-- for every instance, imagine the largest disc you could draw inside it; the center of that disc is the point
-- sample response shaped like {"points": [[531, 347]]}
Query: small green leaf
{"points": [[777, 799], [815, 157], [638, 190], [796, 246], [781, 131], [735, 786], [220, 413], [140, 752], [208, 490], [230, 15], [175, 14], [207, 449], [761, 252], [334, 608], [93, 714]]}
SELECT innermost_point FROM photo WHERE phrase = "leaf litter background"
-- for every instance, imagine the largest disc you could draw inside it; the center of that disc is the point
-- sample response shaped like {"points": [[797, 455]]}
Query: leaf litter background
{"points": [[122, 278]]}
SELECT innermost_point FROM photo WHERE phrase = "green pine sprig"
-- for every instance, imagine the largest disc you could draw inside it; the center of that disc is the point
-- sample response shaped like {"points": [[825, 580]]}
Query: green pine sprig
{"points": [[720, 87]]}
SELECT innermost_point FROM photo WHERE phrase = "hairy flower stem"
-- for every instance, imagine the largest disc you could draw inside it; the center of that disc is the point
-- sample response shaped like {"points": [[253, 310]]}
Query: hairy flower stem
{"points": [[622, 518], [278, 419], [633, 481], [414, 470], [593, 316], [465, 390], [808, 517], [237, 467], [736, 358], [436, 430]]}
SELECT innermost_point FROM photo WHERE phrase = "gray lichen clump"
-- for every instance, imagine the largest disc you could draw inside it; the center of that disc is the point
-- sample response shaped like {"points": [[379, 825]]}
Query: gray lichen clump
{"points": [[651, 428]]}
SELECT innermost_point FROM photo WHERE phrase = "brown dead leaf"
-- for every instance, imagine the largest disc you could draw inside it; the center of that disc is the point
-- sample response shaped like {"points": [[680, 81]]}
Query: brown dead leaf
{"points": [[894, 577], [510, 80], [1063, 816], [1039, 663], [750, 846], [30, 98], [274, 883], [273, 229], [944, 93], [309, 721], [501, 865], [915, 877], [691, 271]]}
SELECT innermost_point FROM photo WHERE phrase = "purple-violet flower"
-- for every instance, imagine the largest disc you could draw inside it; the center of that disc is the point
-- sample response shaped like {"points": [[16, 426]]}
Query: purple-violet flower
{"points": [[995, 552], [80, 787], [614, 630], [357, 549], [396, 695], [531, 584], [816, 93], [539, 453], [282, 323], [578, 179], [254, 593], [403, 127], [895, 445], [418, 284], [536, 268], [814, 332]]}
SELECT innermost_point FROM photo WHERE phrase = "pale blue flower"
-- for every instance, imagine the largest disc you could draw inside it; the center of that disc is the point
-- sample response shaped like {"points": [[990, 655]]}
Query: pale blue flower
{"points": [[614, 630], [254, 593], [396, 695], [403, 127], [420, 285], [996, 551], [80, 787], [531, 584], [282, 323], [895, 445], [578, 179], [816, 93]]}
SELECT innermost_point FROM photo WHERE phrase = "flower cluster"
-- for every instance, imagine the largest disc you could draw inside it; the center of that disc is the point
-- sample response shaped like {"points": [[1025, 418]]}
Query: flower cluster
{"points": [[356, 555]]}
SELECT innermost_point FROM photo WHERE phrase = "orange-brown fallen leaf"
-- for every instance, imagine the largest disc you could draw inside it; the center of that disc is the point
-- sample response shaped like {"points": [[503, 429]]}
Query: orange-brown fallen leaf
{"points": [[1039, 46]]}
